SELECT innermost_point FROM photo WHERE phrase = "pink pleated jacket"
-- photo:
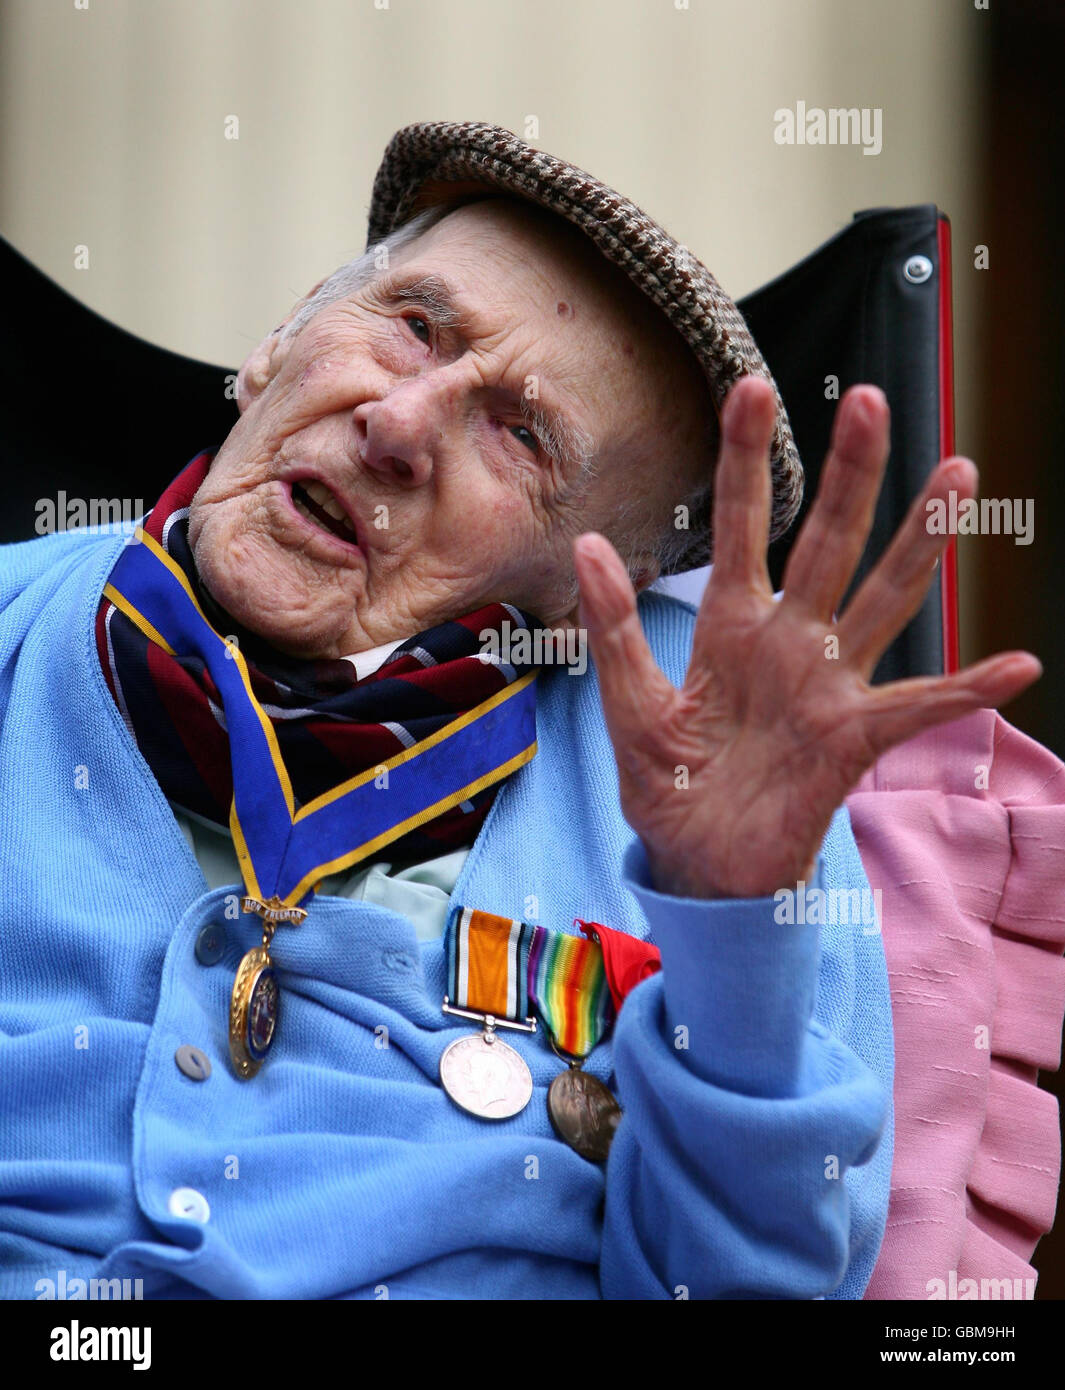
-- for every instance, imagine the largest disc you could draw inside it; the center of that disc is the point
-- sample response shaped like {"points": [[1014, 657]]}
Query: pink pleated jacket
{"points": [[963, 832]]}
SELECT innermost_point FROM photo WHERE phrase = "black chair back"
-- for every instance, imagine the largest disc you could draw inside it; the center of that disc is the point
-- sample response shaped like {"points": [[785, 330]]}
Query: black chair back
{"points": [[870, 305]]}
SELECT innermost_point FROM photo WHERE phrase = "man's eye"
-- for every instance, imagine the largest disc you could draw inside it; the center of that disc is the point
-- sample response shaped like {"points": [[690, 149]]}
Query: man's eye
{"points": [[525, 436], [418, 326]]}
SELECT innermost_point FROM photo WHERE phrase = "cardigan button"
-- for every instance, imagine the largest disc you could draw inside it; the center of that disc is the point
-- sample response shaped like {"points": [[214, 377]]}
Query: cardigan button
{"points": [[193, 1063], [189, 1204], [210, 944]]}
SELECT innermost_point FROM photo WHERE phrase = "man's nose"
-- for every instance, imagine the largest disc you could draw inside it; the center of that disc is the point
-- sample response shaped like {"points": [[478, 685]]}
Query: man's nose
{"points": [[402, 434]]}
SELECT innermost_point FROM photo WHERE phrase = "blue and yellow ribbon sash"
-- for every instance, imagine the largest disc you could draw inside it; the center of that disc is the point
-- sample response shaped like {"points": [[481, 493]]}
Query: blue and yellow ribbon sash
{"points": [[285, 851]]}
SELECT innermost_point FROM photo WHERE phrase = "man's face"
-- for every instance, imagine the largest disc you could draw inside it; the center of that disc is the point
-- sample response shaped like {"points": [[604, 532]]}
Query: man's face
{"points": [[403, 414]]}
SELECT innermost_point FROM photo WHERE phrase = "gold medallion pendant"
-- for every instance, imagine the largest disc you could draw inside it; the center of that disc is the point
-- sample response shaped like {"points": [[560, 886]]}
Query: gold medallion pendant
{"points": [[254, 1009]]}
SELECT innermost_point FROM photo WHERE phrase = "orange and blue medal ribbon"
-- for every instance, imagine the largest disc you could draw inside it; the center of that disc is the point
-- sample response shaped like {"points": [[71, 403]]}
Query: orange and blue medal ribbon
{"points": [[488, 981], [487, 964], [285, 850]]}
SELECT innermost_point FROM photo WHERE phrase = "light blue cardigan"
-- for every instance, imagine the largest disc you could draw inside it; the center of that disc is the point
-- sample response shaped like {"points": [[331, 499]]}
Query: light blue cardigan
{"points": [[343, 1169]]}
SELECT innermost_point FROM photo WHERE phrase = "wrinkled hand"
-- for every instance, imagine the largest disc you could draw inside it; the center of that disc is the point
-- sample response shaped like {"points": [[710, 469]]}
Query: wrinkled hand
{"points": [[772, 725]]}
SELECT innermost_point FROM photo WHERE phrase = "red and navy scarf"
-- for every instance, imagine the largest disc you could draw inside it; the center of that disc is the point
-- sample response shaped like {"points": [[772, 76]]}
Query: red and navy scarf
{"points": [[330, 725]]}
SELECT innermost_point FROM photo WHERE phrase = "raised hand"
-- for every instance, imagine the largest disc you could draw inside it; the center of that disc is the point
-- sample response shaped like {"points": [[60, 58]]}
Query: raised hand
{"points": [[776, 721]]}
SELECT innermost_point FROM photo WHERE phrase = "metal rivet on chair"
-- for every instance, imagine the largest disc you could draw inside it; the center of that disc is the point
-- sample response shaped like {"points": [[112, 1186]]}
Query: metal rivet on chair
{"points": [[918, 269]]}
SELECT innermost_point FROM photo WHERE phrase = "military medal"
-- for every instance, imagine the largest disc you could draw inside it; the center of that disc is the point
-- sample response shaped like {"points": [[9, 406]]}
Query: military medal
{"points": [[285, 850], [499, 971], [485, 1077], [583, 1111], [487, 980], [568, 989]]}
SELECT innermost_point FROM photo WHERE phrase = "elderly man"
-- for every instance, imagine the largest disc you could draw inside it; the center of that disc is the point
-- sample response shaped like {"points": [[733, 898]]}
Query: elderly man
{"points": [[297, 999]]}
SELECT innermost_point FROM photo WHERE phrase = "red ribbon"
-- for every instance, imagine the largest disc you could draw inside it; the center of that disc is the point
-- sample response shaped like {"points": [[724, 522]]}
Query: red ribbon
{"points": [[627, 959]]}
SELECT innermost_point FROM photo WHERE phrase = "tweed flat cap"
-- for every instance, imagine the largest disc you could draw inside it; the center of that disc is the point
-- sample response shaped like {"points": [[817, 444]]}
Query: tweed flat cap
{"points": [[434, 161]]}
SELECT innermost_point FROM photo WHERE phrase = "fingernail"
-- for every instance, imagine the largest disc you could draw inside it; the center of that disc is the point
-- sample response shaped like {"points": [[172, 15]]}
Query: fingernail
{"points": [[854, 424], [744, 412], [960, 470], [586, 552]]}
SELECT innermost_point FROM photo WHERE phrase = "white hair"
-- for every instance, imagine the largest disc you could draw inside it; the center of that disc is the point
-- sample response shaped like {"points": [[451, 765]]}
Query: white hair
{"points": [[360, 271]]}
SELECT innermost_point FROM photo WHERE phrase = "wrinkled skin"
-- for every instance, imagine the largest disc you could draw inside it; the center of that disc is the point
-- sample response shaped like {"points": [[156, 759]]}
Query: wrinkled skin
{"points": [[390, 410]]}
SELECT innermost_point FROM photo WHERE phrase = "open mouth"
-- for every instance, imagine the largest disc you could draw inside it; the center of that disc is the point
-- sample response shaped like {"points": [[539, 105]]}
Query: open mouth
{"points": [[314, 501]]}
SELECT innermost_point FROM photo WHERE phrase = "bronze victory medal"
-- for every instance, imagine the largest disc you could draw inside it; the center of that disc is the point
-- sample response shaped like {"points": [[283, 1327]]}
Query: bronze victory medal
{"points": [[583, 1112]]}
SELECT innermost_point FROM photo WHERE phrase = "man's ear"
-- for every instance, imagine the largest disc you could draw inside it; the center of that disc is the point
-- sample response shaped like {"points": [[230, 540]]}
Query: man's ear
{"points": [[259, 366], [257, 370]]}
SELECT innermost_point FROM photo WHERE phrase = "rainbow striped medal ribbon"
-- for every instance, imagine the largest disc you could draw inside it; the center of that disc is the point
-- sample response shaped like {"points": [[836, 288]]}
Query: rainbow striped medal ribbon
{"points": [[569, 990], [284, 850]]}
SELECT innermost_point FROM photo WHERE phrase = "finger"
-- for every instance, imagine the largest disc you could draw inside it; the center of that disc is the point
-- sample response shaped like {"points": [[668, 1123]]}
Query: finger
{"points": [[895, 588], [906, 708], [742, 492], [827, 550], [634, 691]]}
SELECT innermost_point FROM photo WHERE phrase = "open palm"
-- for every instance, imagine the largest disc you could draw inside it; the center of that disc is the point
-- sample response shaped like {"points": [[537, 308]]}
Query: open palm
{"points": [[732, 780]]}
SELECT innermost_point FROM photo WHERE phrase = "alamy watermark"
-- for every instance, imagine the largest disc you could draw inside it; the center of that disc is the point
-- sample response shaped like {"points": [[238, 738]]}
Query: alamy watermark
{"points": [[839, 125], [108, 514], [990, 516], [62, 1288], [829, 907], [952, 1288], [539, 646], [77, 1343]]}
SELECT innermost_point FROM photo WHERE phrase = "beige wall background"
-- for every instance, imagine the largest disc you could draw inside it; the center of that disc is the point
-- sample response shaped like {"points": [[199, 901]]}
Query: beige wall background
{"points": [[114, 115]]}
